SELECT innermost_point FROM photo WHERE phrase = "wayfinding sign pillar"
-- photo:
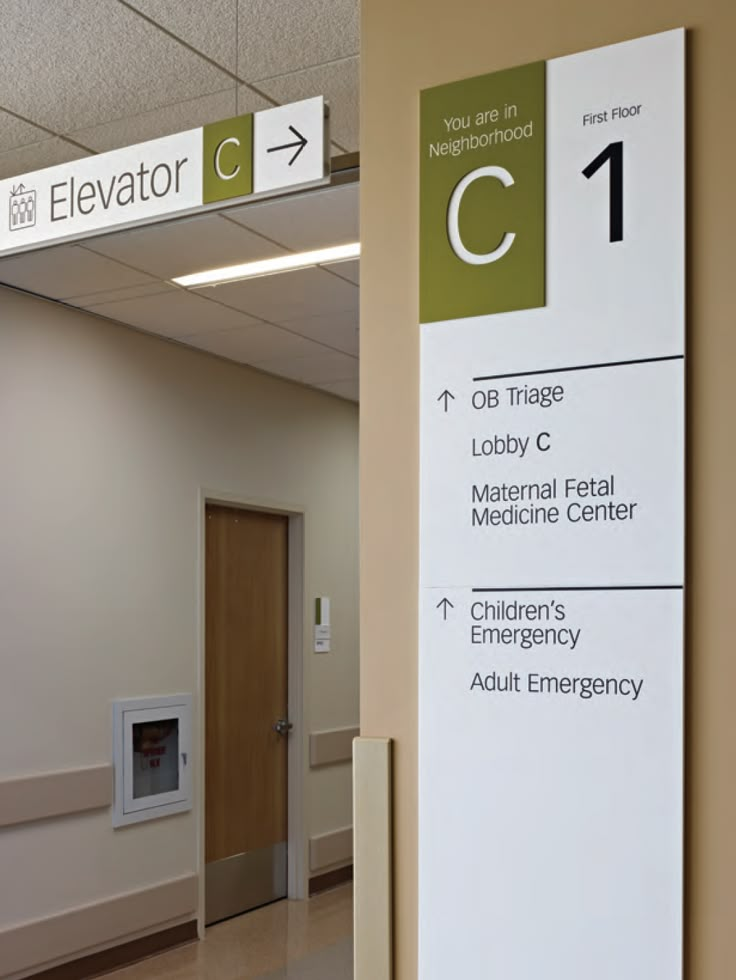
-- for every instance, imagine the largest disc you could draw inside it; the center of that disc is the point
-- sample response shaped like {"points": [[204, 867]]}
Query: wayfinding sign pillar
{"points": [[552, 518]]}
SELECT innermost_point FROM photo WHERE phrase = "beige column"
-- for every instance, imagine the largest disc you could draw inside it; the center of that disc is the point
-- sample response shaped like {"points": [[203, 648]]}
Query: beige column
{"points": [[413, 44]]}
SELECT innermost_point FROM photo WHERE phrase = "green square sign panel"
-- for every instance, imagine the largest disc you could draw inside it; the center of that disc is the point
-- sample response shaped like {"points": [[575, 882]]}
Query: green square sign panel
{"points": [[227, 159], [482, 228]]}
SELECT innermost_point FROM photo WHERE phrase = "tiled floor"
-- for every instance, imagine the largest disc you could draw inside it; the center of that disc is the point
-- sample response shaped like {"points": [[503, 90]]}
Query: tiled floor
{"points": [[285, 941]]}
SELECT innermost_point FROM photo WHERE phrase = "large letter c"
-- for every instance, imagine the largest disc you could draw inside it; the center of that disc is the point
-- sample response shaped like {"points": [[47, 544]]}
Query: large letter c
{"points": [[218, 151], [453, 216]]}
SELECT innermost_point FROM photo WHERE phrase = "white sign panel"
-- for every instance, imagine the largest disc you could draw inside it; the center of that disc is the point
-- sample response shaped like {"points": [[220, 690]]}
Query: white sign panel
{"points": [[223, 162], [128, 186], [552, 519], [290, 145]]}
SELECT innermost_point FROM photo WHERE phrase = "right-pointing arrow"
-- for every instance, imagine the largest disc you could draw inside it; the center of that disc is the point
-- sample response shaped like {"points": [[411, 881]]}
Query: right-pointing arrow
{"points": [[445, 604], [446, 396], [301, 142]]}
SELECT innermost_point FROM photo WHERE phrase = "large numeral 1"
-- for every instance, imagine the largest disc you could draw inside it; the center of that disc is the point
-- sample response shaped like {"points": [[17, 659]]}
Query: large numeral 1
{"points": [[613, 154]]}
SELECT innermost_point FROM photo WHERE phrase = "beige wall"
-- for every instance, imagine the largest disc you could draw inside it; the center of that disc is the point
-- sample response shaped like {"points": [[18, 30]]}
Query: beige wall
{"points": [[414, 44], [106, 438]]}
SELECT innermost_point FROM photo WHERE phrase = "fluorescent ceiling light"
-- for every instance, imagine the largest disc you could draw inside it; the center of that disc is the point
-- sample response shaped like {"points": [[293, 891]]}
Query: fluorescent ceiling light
{"points": [[268, 267]]}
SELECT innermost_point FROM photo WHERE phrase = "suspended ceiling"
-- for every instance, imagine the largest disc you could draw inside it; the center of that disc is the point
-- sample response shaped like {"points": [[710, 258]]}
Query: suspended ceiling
{"points": [[79, 77], [301, 325], [83, 76]]}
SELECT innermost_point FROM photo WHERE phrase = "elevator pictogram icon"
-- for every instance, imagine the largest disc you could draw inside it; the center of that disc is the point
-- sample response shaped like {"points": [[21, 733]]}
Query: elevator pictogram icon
{"points": [[22, 208]]}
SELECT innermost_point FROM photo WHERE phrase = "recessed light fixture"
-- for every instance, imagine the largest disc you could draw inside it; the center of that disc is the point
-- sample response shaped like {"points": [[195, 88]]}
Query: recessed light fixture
{"points": [[269, 267]]}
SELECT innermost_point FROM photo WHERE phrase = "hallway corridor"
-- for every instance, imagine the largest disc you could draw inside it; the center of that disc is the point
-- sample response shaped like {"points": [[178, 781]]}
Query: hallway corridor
{"points": [[284, 941]]}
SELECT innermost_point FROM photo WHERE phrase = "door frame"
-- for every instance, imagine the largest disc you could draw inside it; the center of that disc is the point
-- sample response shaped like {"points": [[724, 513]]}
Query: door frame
{"points": [[297, 661]]}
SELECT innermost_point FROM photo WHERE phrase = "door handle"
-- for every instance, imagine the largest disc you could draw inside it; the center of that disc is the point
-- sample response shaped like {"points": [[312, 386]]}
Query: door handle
{"points": [[283, 726]]}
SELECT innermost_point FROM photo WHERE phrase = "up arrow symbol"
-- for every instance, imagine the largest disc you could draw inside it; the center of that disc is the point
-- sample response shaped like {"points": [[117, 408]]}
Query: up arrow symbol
{"points": [[445, 397], [300, 143], [445, 604]]}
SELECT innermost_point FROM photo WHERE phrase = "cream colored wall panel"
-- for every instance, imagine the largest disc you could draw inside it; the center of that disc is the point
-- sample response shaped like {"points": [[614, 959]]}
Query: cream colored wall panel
{"points": [[53, 794], [317, 219], [256, 343], [67, 270], [127, 64], [314, 369], [339, 669], [110, 437], [460, 41], [331, 800], [58, 864], [40, 941]]}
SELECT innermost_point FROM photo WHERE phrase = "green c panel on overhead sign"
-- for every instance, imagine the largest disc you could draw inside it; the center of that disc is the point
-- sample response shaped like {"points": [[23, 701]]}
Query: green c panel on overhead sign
{"points": [[227, 159], [482, 195]]}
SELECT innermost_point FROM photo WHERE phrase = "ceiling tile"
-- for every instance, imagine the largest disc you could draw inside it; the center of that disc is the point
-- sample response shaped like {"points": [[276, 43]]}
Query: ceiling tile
{"points": [[253, 344], [345, 389], [113, 295], [348, 270], [66, 270], [176, 314], [168, 119], [178, 248], [14, 132], [340, 85], [37, 156], [211, 30], [316, 369], [315, 219], [278, 36], [291, 295], [79, 63], [338, 330]]}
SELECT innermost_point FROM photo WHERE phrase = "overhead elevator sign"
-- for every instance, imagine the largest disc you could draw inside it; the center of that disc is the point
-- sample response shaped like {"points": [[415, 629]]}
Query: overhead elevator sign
{"points": [[256, 154], [552, 518]]}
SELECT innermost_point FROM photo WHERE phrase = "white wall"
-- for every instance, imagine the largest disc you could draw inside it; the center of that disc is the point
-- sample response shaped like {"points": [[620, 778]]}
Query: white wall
{"points": [[106, 438]]}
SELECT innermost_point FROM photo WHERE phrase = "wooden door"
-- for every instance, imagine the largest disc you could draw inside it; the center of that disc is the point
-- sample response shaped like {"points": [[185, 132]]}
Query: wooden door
{"points": [[246, 685]]}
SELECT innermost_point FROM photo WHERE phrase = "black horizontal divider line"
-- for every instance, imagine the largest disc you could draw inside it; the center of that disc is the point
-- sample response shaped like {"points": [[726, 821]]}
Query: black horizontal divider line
{"points": [[584, 588], [579, 367]]}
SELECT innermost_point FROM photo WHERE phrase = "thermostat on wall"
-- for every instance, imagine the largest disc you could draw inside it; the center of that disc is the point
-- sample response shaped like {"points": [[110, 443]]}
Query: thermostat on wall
{"points": [[152, 758], [322, 628]]}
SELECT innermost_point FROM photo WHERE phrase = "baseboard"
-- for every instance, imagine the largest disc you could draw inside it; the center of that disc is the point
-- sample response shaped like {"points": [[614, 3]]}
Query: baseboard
{"points": [[329, 880], [124, 955], [43, 944]]}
